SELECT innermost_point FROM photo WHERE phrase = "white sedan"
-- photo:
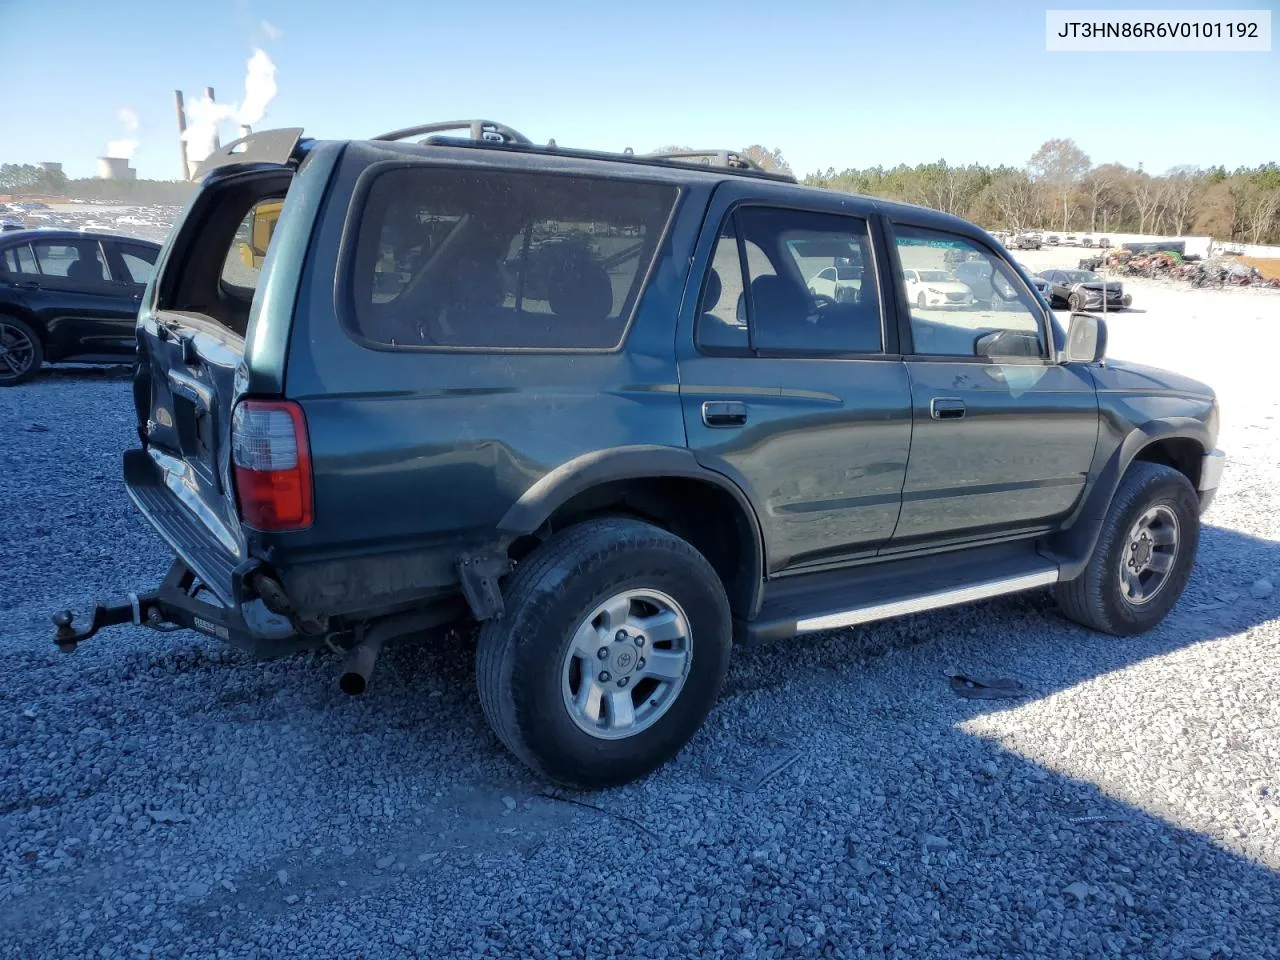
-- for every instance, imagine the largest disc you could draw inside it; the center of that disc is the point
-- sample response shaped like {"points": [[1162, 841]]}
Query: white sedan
{"points": [[935, 288], [840, 283]]}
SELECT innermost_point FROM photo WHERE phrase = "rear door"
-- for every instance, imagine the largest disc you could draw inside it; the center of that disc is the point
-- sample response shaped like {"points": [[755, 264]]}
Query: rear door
{"points": [[800, 398], [84, 309], [1003, 435]]}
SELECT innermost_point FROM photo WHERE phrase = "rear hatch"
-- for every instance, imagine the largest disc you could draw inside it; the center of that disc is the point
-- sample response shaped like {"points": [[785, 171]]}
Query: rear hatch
{"points": [[191, 367]]}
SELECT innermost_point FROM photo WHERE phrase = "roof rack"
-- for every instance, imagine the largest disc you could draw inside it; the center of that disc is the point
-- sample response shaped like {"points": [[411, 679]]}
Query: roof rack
{"points": [[490, 133], [729, 159], [487, 131]]}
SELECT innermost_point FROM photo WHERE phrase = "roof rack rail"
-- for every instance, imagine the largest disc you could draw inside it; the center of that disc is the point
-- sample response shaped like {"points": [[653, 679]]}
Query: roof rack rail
{"points": [[730, 159], [488, 131]]}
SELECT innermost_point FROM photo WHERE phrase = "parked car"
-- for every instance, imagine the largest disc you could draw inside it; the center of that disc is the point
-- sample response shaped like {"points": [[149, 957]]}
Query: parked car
{"points": [[66, 295], [838, 282], [936, 288], [1025, 241], [620, 475], [1083, 290]]}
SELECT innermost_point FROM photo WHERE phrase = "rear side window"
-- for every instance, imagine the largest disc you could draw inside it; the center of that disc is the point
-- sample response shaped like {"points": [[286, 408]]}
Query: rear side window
{"points": [[501, 259], [73, 259]]}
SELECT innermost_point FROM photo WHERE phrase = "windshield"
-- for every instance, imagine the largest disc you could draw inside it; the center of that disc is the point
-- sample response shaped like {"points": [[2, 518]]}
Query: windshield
{"points": [[1081, 276], [934, 276]]}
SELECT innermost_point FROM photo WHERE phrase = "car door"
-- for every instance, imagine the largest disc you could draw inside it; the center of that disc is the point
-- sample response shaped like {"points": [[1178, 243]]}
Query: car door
{"points": [[803, 402], [88, 313], [1003, 435]]}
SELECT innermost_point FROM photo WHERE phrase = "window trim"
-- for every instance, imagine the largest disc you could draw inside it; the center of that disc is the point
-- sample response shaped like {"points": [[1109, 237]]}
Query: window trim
{"points": [[905, 335], [344, 282], [773, 353]]}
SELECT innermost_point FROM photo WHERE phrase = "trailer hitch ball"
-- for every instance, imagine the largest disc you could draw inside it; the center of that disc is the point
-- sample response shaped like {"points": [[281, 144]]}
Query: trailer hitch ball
{"points": [[65, 635]]}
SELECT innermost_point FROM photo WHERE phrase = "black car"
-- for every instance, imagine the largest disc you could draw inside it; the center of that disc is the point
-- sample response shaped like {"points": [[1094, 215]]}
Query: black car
{"points": [[69, 295], [1083, 290], [590, 402]]}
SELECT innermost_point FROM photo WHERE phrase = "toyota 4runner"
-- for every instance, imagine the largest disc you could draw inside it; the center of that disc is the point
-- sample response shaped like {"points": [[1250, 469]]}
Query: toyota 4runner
{"points": [[599, 404]]}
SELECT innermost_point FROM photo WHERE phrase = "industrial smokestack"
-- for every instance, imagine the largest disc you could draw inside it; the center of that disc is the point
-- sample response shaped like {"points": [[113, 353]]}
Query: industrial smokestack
{"points": [[182, 129], [208, 92]]}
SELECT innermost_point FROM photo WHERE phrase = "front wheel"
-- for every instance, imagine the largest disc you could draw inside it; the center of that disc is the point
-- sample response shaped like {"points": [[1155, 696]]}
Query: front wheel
{"points": [[611, 652], [1143, 557]]}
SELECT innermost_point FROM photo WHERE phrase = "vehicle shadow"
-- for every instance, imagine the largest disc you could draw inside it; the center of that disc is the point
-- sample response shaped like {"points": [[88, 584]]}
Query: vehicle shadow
{"points": [[86, 372]]}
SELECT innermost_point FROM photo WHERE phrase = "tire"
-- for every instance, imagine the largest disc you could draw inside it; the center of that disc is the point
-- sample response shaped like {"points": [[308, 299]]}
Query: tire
{"points": [[20, 346], [920, 302], [527, 661], [1096, 599], [1074, 303]]}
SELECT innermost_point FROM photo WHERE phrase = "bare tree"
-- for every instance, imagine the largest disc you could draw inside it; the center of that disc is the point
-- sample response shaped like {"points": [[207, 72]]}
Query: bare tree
{"points": [[1181, 186], [1260, 208], [1060, 165], [1015, 198], [1144, 192]]}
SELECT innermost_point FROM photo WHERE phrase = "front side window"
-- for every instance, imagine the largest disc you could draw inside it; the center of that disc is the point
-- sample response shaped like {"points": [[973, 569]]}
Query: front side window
{"points": [[73, 259], [964, 300], [810, 286], [502, 259]]}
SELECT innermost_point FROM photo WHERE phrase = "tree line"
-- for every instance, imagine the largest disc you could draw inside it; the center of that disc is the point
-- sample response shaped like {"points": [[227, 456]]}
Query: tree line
{"points": [[26, 179], [1060, 189]]}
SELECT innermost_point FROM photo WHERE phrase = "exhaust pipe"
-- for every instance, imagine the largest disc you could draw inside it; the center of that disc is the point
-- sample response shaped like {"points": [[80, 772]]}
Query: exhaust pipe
{"points": [[369, 641], [359, 665]]}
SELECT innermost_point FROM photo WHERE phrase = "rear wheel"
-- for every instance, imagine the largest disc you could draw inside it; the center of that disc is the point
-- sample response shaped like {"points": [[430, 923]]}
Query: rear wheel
{"points": [[920, 301], [21, 352], [610, 654], [1143, 557]]}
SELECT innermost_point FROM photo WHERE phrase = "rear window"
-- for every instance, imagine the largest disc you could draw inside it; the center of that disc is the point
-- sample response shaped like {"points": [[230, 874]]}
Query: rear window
{"points": [[501, 259]]}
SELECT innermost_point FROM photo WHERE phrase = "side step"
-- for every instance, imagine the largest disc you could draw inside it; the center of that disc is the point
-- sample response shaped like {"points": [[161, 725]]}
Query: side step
{"points": [[809, 603]]}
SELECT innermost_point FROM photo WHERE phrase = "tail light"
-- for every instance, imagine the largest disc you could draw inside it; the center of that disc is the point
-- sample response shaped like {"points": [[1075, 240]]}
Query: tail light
{"points": [[271, 457]]}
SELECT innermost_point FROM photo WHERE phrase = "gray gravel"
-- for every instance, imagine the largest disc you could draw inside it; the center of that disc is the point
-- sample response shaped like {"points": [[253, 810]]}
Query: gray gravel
{"points": [[163, 796]]}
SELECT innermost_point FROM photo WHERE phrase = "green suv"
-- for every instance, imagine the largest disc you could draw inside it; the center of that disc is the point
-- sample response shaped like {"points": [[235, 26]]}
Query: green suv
{"points": [[608, 407]]}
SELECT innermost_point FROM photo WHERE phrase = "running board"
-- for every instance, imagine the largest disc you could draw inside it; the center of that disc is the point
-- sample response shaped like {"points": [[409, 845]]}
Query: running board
{"points": [[845, 598]]}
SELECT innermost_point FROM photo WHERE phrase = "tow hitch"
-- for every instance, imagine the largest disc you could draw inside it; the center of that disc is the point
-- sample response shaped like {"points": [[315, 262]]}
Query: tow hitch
{"points": [[174, 605]]}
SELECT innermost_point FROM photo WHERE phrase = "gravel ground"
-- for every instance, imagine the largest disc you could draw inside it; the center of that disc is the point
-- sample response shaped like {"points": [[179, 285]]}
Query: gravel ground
{"points": [[163, 796]]}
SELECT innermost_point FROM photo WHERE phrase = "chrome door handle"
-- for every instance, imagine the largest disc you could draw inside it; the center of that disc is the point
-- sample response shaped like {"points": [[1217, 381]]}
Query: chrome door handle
{"points": [[724, 413], [946, 408]]}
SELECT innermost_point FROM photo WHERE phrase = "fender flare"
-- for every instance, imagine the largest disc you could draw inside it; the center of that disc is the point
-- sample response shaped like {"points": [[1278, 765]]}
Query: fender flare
{"points": [[1073, 547], [642, 461]]}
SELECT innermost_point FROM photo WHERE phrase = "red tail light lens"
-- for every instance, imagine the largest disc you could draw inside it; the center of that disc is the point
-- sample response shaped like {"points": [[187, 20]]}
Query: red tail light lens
{"points": [[271, 457]]}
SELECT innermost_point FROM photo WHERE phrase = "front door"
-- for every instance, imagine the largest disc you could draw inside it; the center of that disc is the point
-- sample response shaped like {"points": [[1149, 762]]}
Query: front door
{"points": [[1003, 435], [786, 384]]}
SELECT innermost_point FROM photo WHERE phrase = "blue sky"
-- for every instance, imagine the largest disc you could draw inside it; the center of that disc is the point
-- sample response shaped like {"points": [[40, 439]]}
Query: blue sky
{"points": [[850, 83]]}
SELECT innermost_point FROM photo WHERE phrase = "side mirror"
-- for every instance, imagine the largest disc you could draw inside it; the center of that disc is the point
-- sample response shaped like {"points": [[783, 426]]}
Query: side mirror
{"points": [[1086, 339]]}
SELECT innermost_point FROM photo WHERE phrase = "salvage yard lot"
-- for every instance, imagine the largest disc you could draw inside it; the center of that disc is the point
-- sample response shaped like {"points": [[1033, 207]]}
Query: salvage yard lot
{"points": [[163, 796]]}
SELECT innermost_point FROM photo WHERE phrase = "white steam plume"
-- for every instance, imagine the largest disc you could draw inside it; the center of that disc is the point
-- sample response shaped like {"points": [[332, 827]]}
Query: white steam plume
{"points": [[271, 30], [204, 117], [259, 88], [125, 146]]}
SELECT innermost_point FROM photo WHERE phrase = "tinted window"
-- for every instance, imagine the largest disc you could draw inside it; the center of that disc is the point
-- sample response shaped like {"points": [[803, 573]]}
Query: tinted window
{"points": [[454, 258], [139, 261], [980, 308], [20, 259], [796, 305], [73, 259]]}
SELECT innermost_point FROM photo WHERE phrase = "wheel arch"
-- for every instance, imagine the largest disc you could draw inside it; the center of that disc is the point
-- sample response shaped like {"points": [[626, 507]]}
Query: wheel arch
{"points": [[664, 485], [1176, 442]]}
